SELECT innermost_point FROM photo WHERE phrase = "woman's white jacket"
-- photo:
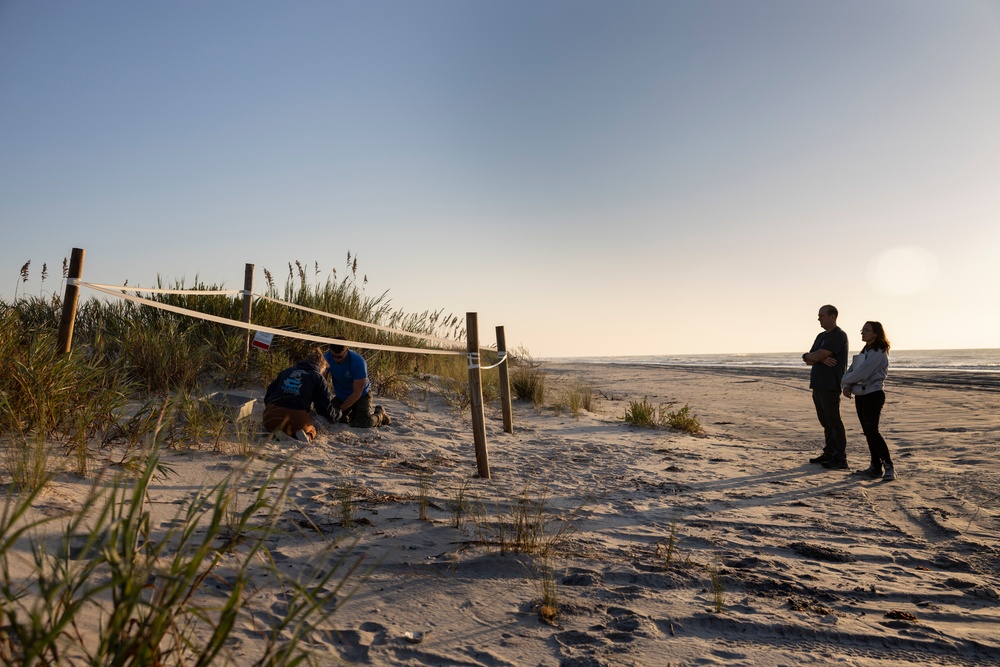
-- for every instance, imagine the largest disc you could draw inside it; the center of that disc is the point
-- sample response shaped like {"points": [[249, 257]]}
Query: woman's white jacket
{"points": [[867, 372]]}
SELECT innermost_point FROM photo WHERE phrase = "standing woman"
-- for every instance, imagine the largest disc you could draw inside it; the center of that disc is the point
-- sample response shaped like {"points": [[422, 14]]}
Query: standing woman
{"points": [[863, 380]]}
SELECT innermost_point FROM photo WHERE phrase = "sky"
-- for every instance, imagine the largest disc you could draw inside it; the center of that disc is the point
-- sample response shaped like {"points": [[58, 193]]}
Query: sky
{"points": [[599, 178]]}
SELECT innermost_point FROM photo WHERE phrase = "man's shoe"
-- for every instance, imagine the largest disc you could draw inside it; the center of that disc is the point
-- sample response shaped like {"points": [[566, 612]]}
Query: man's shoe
{"points": [[871, 471], [383, 418], [819, 459], [833, 464], [301, 436], [890, 474]]}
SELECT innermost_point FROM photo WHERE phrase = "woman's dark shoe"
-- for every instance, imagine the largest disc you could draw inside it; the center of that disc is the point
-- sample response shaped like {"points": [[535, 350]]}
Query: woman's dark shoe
{"points": [[835, 464]]}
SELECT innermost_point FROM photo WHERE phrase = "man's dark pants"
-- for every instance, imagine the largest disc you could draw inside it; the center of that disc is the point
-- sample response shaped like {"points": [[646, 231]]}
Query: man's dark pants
{"points": [[827, 402], [360, 414]]}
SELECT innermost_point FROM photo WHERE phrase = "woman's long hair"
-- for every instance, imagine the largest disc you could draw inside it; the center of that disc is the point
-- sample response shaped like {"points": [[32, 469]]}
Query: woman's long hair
{"points": [[317, 358], [880, 342]]}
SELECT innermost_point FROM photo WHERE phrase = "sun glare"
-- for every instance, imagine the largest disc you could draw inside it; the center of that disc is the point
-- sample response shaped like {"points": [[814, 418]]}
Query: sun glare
{"points": [[903, 270]]}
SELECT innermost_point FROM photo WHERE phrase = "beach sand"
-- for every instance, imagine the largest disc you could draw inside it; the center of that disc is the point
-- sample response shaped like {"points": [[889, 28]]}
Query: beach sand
{"points": [[664, 548]]}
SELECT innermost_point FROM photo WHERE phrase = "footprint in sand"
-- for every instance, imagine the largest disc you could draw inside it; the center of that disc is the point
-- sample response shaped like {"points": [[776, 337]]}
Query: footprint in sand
{"points": [[579, 577], [354, 646]]}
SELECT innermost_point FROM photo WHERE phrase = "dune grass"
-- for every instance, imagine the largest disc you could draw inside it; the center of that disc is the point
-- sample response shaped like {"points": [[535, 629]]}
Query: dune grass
{"points": [[117, 590], [125, 353], [133, 384], [158, 351]]}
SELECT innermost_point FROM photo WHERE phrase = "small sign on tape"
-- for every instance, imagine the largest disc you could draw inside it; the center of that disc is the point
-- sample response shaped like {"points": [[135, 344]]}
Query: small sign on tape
{"points": [[262, 341]]}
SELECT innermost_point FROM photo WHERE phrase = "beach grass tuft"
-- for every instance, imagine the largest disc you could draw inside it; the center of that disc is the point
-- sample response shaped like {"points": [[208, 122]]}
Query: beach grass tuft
{"points": [[345, 499], [460, 505], [576, 397], [521, 524], [423, 495], [718, 589], [683, 420], [646, 415], [669, 548], [548, 604], [642, 413], [527, 380], [580, 397]]}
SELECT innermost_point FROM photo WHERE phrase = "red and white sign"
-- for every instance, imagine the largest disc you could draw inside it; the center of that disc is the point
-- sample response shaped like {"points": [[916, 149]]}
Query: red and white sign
{"points": [[262, 341]]}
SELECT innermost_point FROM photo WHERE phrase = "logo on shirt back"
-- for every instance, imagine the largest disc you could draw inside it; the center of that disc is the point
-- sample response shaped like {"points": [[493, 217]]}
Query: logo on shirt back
{"points": [[292, 383]]}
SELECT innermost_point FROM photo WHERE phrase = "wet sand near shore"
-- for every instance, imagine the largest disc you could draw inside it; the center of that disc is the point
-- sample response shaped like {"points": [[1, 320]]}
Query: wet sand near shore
{"points": [[975, 381]]}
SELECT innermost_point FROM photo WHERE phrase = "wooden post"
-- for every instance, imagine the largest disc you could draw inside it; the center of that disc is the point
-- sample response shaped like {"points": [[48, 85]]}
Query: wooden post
{"points": [[70, 300], [476, 395], [508, 418], [247, 302]]}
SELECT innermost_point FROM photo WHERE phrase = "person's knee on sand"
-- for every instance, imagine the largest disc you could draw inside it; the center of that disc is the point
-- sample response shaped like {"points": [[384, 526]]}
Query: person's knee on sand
{"points": [[364, 416]]}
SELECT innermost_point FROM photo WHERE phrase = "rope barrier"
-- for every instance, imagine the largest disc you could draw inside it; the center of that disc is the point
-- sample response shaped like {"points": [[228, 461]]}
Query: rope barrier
{"points": [[502, 356], [410, 334], [153, 290], [115, 291], [474, 361], [160, 290], [121, 292]]}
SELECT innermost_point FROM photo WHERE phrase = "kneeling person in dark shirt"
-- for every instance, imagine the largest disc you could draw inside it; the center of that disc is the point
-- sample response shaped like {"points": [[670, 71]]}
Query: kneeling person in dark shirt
{"points": [[295, 392]]}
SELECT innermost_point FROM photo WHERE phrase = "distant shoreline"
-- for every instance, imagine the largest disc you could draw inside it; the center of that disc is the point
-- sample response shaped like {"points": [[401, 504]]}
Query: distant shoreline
{"points": [[966, 379]]}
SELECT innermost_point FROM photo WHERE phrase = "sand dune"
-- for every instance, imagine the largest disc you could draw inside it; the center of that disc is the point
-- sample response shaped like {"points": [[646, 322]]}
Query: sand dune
{"points": [[811, 566]]}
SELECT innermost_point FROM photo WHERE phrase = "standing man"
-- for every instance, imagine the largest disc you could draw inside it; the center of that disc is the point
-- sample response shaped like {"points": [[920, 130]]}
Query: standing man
{"points": [[828, 359], [352, 390]]}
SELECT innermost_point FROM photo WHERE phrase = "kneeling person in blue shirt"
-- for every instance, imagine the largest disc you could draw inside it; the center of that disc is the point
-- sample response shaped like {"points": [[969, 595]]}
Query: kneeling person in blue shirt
{"points": [[351, 388]]}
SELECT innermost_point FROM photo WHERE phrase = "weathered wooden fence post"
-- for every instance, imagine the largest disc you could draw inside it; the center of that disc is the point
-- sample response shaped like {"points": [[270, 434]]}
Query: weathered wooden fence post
{"points": [[476, 395], [70, 300], [508, 417], [247, 302]]}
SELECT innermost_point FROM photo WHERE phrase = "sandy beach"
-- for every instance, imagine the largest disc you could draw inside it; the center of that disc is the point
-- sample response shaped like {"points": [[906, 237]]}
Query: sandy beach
{"points": [[662, 548]]}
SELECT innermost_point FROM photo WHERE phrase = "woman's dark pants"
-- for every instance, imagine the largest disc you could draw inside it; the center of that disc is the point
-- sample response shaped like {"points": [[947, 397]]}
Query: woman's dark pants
{"points": [[869, 407]]}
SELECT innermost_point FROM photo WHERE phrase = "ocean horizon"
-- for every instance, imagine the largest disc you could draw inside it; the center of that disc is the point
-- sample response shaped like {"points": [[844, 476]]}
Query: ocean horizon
{"points": [[983, 360]]}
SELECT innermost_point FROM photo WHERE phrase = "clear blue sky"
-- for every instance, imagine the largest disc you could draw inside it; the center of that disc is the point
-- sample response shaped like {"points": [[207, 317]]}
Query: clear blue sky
{"points": [[599, 177]]}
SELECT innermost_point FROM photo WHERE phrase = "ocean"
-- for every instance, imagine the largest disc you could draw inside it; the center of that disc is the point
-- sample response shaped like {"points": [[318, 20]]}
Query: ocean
{"points": [[950, 361]]}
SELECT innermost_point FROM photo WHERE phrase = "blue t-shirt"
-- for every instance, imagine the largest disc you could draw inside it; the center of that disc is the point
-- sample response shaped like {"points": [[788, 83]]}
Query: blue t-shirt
{"points": [[344, 374]]}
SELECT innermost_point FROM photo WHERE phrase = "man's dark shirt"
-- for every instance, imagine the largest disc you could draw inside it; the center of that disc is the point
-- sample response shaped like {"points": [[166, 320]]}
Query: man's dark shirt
{"points": [[828, 377]]}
